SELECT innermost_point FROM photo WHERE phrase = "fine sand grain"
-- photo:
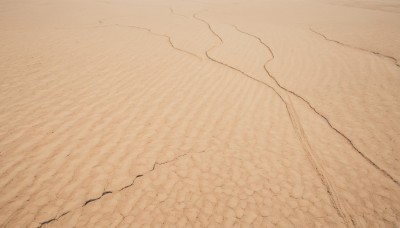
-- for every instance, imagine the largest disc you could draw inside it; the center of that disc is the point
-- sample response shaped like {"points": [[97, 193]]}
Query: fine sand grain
{"points": [[213, 113]]}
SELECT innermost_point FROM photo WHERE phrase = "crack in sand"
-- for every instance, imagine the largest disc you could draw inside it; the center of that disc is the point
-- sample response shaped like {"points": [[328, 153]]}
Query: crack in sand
{"points": [[169, 39], [224, 64], [298, 129], [158, 164], [92, 200], [173, 12], [324, 178], [391, 58], [161, 35], [384, 172], [52, 220], [123, 188], [295, 122]]}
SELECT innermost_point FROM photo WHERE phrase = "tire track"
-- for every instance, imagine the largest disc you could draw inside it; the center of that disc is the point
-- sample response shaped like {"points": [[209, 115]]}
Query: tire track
{"points": [[297, 128], [366, 158], [315, 161], [388, 57]]}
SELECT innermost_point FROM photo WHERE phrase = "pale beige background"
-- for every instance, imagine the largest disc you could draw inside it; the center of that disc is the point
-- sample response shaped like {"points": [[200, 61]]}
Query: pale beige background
{"points": [[209, 113]]}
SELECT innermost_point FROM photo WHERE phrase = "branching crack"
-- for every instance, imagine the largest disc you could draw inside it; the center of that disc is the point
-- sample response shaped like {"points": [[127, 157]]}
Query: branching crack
{"points": [[293, 116], [391, 58], [384, 172], [227, 65], [331, 190]]}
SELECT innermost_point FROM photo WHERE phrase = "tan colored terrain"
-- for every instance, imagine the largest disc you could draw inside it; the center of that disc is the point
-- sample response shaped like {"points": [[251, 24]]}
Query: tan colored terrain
{"points": [[203, 113]]}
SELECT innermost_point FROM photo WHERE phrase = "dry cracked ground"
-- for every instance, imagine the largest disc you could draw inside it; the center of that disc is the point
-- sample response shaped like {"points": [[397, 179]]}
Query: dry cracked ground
{"points": [[201, 113]]}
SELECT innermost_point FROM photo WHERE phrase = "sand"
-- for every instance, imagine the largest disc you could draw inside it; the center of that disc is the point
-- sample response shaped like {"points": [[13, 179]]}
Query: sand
{"points": [[200, 113]]}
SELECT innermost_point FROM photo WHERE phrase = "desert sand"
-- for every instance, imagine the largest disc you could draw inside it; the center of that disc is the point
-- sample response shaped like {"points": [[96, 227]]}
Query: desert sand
{"points": [[203, 113]]}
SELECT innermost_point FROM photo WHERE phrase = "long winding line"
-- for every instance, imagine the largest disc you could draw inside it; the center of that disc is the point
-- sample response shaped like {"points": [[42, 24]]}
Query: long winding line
{"points": [[391, 58], [331, 191], [156, 164], [161, 35], [384, 172]]}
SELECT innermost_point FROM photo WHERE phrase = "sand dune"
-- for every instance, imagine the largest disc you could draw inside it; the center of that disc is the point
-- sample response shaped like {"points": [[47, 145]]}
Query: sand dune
{"points": [[199, 113]]}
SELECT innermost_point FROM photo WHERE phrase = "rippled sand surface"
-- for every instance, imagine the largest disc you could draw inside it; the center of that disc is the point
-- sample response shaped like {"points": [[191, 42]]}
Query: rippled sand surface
{"points": [[203, 113]]}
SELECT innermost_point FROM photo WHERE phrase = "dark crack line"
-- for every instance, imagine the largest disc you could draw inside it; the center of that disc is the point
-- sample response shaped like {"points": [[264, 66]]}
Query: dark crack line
{"points": [[154, 167], [384, 172], [161, 35], [52, 220], [169, 39], [296, 123], [226, 65], [233, 68], [391, 58], [92, 200], [330, 190], [156, 164]]}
